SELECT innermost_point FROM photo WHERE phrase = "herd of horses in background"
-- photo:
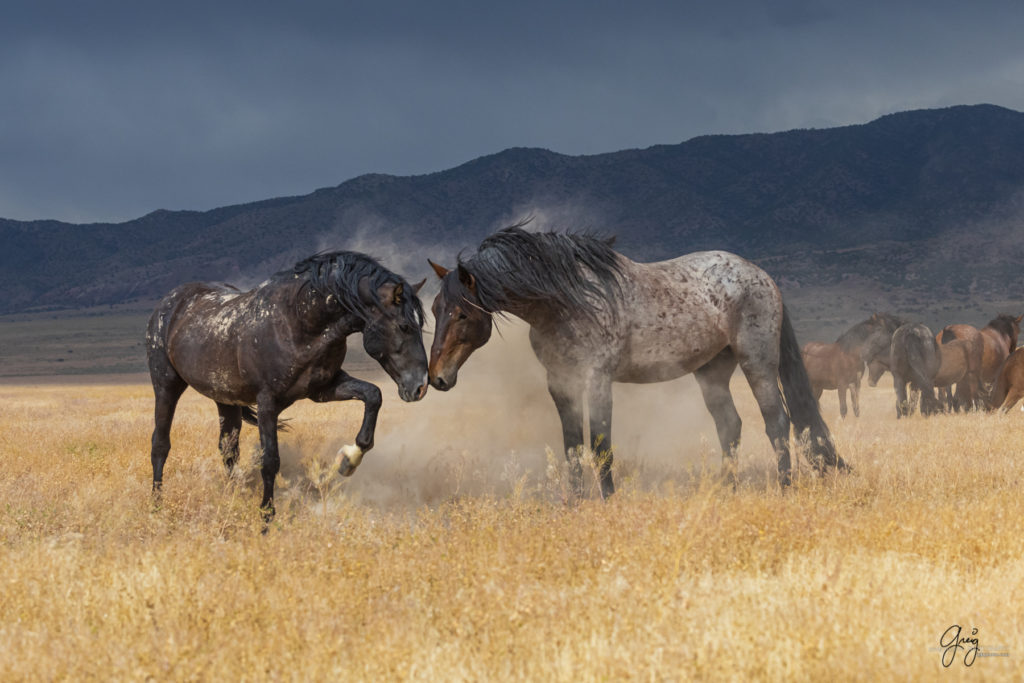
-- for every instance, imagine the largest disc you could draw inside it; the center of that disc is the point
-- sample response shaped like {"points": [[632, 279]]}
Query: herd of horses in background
{"points": [[959, 368], [595, 316]]}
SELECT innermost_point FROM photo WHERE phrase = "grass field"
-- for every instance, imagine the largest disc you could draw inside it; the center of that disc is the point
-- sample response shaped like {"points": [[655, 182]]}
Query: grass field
{"points": [[452, 554]]}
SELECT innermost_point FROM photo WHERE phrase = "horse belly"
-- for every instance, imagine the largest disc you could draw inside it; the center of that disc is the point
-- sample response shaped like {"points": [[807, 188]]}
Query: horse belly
{"points": [[660, 358], [220, 381], [209, 364]]}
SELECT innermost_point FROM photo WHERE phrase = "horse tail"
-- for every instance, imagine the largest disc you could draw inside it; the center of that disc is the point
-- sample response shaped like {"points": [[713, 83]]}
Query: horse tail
{"points": [[917, 362], [800, 403], [249, 415], [947, 335]]}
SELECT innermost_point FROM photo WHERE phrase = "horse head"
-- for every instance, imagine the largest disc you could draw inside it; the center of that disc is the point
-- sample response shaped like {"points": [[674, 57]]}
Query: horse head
{"points": [[393, 335], [461, 325]]}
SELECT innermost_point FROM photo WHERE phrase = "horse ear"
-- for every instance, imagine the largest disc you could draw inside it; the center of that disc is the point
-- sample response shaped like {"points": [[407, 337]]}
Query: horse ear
{"points": [[1019, 318], [467, 279], [418, 286], [396, 294], [440, 270]]}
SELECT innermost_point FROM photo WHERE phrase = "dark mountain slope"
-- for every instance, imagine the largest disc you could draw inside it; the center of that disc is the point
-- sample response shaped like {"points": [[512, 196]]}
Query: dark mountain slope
{"points": [[908, 195]]}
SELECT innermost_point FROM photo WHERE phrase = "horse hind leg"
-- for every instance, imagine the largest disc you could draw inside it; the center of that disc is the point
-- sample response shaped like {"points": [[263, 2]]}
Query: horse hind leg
{"points": [[713, 379], [763, 380], [167, 389], [230, 428]]}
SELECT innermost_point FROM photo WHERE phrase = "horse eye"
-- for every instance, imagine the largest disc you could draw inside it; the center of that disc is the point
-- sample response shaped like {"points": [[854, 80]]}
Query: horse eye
{"points": [[462, 316]]}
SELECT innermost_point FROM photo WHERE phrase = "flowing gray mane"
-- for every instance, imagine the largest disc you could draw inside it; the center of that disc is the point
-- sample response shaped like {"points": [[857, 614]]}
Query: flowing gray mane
{"points": [[571, 272]]}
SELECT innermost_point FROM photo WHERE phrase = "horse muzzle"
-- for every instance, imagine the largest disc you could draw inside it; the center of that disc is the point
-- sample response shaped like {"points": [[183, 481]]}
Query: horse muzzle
{"points": [[443, 384], [413, 391]]}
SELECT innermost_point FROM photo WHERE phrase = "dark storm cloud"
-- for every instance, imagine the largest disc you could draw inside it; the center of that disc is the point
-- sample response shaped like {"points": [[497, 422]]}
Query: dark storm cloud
{"points": [[110, 110]]}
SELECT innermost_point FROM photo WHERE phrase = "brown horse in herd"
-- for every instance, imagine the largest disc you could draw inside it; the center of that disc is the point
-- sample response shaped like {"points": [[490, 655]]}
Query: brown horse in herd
{"points": [[1009, 386], [990, 345], [960, 366], [831, 367], [840, 366]]}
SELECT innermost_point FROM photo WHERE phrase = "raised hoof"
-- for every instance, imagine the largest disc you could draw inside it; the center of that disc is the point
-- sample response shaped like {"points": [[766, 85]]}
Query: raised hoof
{"points": [[349, 458]]}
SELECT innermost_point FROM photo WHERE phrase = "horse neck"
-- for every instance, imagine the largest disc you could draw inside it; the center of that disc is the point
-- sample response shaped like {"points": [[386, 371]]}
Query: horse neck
{"points": [[539, 314], [876, 345], [317, 313]]}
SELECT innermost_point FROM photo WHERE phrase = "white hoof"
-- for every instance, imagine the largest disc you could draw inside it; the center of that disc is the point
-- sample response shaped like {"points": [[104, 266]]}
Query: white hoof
{"points": [[351, 453]]}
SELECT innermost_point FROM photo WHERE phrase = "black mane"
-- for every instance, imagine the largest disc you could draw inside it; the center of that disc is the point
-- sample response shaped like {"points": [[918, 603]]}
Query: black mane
{"points": [[339, 273], [1004, 324], [862, 331], [573, 272]]}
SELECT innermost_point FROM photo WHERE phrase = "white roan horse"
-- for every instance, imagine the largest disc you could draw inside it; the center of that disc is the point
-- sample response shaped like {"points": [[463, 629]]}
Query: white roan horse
{"points": [[596, 317]]}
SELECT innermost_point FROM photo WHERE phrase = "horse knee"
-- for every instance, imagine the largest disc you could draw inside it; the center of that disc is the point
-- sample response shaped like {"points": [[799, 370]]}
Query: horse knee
{"points": [[372, 397]]}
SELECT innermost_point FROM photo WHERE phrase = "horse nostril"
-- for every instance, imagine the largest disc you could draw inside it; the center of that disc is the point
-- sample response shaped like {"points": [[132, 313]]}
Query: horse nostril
{"points": [[439, 383]]}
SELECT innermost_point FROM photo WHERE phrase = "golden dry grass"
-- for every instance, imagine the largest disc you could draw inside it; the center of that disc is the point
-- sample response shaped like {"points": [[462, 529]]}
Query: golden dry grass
{"points": [[451, 556]]}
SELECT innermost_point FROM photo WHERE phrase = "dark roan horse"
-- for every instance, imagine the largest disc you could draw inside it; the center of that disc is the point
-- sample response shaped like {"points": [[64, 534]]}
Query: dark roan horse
{"points": [[871, 338], [914, 359], [596, 317], [281, 342]]}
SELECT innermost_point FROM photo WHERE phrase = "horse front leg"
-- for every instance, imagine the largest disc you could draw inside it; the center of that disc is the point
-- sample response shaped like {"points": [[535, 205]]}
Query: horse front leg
{"points": [[266, 419], [345, 388], [568, 398], [600, 404], [842, 400], [713, 379]]}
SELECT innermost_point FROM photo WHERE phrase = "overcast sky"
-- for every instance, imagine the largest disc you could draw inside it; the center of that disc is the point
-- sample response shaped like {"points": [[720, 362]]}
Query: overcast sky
{"points": [[109, 110]]}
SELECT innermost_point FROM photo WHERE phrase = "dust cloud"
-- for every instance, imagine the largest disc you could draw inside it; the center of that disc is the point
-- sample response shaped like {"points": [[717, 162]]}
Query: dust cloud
{"points": [[497, 433]]}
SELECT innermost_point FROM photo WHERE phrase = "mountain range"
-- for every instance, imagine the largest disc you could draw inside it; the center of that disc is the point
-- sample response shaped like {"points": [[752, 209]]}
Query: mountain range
{"points": [[914, 208]]}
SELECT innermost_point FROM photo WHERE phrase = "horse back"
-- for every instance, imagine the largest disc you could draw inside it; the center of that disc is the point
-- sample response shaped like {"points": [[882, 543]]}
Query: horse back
{"points": [[829, 367], [197, 330], [679, 314]]}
